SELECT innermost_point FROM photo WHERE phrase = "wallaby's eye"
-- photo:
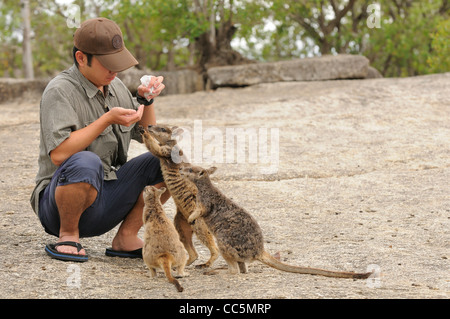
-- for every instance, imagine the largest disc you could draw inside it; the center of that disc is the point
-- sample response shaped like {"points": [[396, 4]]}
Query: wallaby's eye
{"points": [[163, 129]]}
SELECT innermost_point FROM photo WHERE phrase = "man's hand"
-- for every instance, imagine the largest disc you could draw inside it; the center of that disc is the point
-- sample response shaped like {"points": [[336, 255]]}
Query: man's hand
{"points": [[156, 84], [82, 138], [126, 117]]}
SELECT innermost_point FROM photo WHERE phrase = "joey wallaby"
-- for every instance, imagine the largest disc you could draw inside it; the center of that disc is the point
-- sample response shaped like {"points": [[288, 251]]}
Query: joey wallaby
{"points": [[162, 246], [238, 235], [160, 141]]}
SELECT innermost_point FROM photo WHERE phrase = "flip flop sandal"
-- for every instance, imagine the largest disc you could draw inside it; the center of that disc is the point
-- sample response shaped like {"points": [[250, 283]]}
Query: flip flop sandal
{"points": [[137, 253], [50, 249]]}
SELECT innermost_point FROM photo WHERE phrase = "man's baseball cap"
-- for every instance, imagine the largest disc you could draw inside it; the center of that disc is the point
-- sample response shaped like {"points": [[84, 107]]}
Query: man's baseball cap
{"points": [[103, 38]]}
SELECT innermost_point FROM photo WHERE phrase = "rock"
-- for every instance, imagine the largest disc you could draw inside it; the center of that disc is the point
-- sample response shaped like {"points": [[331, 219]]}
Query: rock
{"points": [[189, 81], [17, 88], [376, 151], [373, 73], [177, 82], [328, 67]]}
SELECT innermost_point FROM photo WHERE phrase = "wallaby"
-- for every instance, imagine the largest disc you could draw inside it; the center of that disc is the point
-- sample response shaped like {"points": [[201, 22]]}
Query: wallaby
{"points": [[162, 246], [160, 141], [238, 235]]}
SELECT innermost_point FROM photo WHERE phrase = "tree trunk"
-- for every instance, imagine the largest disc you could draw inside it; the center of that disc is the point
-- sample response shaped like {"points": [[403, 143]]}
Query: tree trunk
{"points": [[219, 53], [27, 58], [191, 47], [170, 66]]}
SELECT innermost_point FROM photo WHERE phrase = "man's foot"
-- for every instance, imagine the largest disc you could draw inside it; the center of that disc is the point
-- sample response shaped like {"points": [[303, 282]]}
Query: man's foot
{"points": [[124, 254], [126, 243], [67, 249], [126, 247], [52, 251]]}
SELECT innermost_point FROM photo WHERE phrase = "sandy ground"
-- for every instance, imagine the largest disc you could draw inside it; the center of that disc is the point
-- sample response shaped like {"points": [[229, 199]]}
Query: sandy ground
{"points": [[356, 177]]}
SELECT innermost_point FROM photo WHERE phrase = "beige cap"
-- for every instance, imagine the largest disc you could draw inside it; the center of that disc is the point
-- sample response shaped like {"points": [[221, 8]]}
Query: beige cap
{"points": [[103, 38]]}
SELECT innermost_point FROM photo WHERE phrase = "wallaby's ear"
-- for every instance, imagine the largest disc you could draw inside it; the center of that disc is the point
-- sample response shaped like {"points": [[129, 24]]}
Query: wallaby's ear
{"points": [[176, 131], [207, 171], [161, 190], [147, 190]]}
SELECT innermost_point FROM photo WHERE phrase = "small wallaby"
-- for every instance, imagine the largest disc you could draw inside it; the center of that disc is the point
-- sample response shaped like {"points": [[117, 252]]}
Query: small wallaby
{"points": [[162, 246], [160, 141], [238, 235]]}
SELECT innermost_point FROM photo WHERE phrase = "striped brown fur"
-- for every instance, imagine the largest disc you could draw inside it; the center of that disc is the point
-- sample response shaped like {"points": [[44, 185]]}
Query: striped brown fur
{"points": [[238, 234], [159, 140], [162, 246]]}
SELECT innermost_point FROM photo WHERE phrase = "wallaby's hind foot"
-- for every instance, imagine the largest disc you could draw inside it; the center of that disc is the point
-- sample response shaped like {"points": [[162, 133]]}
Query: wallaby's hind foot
{"points": [[215, 271], [183, 275], [242, 267], [233, 267]]}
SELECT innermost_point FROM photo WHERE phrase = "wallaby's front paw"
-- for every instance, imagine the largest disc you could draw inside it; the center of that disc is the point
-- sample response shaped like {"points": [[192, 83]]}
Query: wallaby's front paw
{"points": [[166, 151], [191, 220]]}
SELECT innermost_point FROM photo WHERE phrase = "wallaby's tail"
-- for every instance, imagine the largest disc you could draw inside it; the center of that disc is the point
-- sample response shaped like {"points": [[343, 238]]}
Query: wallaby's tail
{"points": [[165, 261], [272, 262]]}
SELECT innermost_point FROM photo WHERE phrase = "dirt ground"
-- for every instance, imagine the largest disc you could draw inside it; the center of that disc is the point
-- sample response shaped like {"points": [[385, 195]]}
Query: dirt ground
{"points": [[356, 178]]}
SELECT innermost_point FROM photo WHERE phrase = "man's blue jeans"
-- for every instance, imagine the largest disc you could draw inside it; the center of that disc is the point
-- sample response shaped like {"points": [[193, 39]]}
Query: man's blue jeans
{"points": [[115, 198]]}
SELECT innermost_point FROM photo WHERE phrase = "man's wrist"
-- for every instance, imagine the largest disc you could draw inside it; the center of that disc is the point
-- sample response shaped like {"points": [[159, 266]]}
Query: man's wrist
{"points": [[143, 100]]}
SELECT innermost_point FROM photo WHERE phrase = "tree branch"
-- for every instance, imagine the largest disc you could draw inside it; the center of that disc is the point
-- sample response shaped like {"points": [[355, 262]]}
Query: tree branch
{"points": [[339, 15], [443, 10], [311, 31]]}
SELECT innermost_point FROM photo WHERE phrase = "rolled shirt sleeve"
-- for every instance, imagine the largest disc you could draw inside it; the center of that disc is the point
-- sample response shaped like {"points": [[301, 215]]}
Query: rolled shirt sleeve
{"points": [[58, 118]]}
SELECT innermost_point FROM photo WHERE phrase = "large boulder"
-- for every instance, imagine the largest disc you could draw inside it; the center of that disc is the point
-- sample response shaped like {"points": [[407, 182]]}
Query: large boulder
{"points": [[16, 88], [327, 67], [373, 73], [177, 82]]}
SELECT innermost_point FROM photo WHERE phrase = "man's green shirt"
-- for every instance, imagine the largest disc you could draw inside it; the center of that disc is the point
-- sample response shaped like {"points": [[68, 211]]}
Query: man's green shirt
{"points": [[71, 102]]}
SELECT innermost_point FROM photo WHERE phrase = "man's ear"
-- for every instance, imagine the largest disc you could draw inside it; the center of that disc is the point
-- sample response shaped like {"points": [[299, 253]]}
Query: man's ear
{"points": [[81, 58]]}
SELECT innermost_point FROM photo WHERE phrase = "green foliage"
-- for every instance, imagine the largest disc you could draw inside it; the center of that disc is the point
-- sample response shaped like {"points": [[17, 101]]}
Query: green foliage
{"points": [[413, 38], [153, 29], [439, 61], [10, 41], [403, 44]]}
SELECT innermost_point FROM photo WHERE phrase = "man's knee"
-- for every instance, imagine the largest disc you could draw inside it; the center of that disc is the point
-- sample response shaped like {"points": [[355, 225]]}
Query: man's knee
{"points": [[86, 159], [74, 193], [150, 158], [82, 167]]}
